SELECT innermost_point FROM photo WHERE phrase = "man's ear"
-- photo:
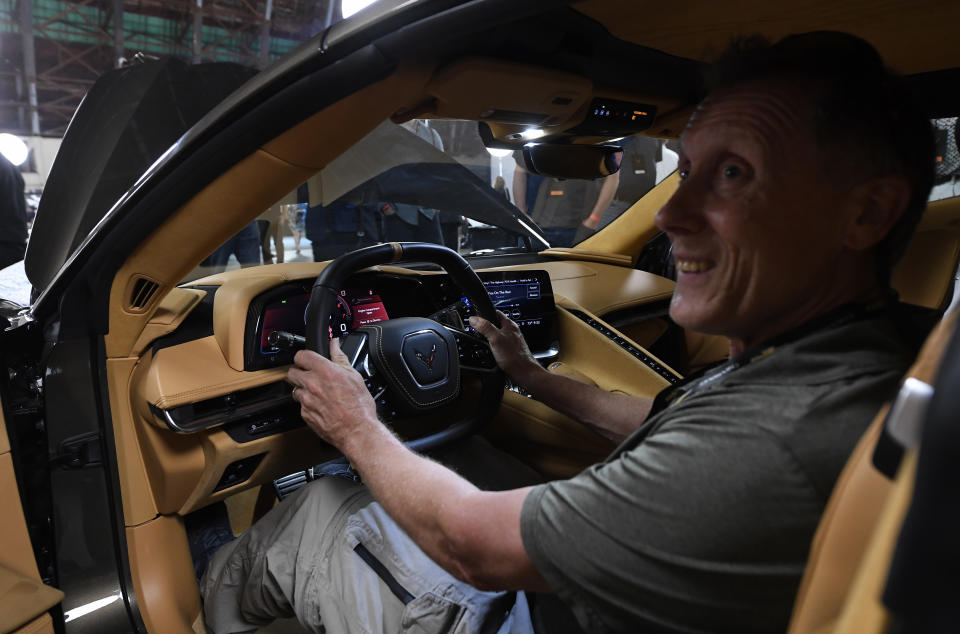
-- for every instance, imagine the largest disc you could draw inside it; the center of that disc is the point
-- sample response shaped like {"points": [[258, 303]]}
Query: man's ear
{"points": [[879, 203]]}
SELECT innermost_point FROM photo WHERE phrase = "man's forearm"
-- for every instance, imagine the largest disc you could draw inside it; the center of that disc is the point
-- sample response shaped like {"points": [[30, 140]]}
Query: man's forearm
{"points": [[612, 414]]}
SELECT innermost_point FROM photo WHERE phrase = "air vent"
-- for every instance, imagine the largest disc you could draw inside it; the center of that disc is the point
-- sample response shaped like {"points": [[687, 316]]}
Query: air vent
{"points": [[142, 292]]}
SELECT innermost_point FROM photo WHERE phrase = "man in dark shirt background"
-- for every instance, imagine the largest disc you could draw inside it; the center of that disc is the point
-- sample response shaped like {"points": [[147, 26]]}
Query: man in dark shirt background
{"points": [[13, 214]]}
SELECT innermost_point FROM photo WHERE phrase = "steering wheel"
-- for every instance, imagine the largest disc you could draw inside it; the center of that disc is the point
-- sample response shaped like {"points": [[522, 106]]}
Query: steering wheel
{"points": [[413, 364]]}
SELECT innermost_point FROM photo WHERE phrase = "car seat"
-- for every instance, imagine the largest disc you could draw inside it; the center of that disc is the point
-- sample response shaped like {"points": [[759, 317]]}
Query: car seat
{"points": [[843, 588]]}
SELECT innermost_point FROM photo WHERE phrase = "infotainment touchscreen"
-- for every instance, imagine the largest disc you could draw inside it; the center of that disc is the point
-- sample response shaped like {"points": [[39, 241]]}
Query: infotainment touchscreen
{"points": [[526, 297]]}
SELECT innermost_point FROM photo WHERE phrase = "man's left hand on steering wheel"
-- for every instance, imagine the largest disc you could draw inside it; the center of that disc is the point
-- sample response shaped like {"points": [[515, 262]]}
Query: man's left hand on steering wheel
{"points": [[406, 366], [333, 397]]}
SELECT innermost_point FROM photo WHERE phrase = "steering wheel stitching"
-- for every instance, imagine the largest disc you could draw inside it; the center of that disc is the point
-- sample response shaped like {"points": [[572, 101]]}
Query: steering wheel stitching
{"points": [[413, 363]]}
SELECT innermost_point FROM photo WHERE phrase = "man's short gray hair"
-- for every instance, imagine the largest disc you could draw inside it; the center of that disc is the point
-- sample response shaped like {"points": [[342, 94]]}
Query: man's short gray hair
{"points": [[864, 120]]}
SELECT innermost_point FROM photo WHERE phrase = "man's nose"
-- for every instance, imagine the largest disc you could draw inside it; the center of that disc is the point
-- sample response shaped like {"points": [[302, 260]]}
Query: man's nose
{"points": [[681, 214]]}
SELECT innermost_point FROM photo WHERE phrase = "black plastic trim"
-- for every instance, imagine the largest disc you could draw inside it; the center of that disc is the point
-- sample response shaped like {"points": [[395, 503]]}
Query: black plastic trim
{"points": [[112, 469]]}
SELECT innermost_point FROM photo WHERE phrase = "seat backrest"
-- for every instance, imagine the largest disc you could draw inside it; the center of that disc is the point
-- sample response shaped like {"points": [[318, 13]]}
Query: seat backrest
{"points": [[854, 542]]}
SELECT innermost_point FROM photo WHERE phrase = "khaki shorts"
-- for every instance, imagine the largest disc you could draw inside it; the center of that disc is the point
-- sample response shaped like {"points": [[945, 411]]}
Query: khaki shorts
{"points": [[331, 556]]}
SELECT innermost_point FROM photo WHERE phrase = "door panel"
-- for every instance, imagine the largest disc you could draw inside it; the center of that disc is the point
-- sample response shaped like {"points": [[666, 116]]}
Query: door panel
{"points": [[24, 599]]}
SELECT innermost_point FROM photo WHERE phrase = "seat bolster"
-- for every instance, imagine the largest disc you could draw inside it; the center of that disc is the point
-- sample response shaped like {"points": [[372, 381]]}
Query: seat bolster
{"points": [[853, 513], [842, 536]]}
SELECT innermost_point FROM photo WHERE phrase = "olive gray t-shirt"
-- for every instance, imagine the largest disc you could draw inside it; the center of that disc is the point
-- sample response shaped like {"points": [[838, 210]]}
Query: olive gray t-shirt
{"points": [[702, 520]]}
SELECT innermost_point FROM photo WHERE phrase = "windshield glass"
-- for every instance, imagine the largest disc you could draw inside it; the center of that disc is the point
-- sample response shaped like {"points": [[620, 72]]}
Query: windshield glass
{"points": [[434, 181]]}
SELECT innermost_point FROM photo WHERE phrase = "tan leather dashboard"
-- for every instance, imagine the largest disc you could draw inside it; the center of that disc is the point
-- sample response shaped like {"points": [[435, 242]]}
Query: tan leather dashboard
{"points": [[186, 471]]}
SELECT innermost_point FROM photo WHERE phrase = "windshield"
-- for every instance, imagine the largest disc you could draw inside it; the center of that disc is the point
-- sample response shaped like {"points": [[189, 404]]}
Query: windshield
{"points": [[434, 181]]}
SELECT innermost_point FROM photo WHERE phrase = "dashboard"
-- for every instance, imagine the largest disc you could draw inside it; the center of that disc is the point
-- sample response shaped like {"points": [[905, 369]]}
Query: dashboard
{"points": [[524, 296], [214, 379]]}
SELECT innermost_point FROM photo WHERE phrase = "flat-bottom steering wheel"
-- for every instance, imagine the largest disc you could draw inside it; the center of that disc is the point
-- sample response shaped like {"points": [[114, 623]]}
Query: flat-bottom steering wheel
{"points": [[415, 363]]}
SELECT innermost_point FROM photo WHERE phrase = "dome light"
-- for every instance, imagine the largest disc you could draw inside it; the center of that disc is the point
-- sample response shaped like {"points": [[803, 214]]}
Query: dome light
{"points": [[13, 148], [349, 7], [498, 153]]}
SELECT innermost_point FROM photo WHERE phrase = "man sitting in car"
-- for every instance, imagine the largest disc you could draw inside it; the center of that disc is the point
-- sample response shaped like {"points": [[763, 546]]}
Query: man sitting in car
{"points": [[802, 174]]}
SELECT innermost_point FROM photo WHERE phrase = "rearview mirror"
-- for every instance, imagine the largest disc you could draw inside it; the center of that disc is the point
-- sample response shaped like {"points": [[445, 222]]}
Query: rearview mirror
{"points": [[572, 161]]}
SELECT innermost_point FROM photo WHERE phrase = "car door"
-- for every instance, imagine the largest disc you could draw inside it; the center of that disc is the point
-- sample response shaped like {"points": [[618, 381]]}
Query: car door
{"points": [[24, 597]]}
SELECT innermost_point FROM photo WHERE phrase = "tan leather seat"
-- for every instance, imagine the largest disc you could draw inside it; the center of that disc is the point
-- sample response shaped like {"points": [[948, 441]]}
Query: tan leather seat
{"points": [[853, 546]]}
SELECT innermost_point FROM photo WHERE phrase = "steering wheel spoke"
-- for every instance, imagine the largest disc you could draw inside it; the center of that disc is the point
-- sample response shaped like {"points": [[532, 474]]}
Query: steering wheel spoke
{"points": [[474, 353], [355, 346]]}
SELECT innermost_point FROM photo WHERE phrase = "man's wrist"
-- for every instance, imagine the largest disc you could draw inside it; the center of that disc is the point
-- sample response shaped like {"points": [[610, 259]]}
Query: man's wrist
{"points": [[368, 440], [525, 373]]}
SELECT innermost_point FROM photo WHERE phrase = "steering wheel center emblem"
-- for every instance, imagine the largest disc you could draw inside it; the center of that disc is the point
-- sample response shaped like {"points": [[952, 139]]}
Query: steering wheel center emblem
{"points": [[427, 360], [426, 357]]}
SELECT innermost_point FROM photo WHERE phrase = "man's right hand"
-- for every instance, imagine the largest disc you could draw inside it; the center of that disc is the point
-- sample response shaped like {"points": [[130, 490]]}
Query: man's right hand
{"points": [[612, 414], [508, 346]]}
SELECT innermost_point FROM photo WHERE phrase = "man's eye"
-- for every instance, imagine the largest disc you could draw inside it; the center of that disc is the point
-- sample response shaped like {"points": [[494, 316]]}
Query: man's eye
{"points": [[683, 172], [732, 171]]}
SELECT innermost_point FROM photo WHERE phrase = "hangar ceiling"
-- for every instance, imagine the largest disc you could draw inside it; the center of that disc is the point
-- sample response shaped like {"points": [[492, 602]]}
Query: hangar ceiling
{"points": [[53, 50]]}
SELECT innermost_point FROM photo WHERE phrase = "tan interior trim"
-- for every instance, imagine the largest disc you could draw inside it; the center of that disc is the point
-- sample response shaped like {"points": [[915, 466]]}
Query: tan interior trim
{"points": [[43, 624], [295, 451], [230, 313], [475, 87], [253, 184], [175, 248], [864, 611], [329, 133], [137, 495], [848, 522], [634, 227], [854, 512], [180, 471], [23, 596], [704, 28], [163, 578], [195, 371], [554, 444], [4, 439], [925, 275], [168, 316], [611, 367], [617, 259], [601, 288], [23, 599], [17, 552]]}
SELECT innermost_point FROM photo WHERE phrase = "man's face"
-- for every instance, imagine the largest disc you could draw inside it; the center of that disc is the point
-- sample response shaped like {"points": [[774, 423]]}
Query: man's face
{"points": [[756, 230]]}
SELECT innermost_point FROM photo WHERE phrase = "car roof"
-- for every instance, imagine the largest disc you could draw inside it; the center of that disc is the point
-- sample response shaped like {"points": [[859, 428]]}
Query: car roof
{"points": [[911, 36], [640, 49]]}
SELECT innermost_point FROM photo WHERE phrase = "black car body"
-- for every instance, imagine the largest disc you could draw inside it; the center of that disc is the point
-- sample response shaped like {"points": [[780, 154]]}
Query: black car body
{"points": [[115, 339]]}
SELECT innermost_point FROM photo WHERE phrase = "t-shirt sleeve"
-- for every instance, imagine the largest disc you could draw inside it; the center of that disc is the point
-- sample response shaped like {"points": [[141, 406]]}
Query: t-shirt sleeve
{"points": [[677, 530]]}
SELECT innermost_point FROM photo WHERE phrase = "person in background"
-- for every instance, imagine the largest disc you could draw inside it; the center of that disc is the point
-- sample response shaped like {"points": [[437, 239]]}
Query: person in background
{"points": [[244, 246], [404, 222], [294, 216], [270, 226], [341, 227], [13, 214]]}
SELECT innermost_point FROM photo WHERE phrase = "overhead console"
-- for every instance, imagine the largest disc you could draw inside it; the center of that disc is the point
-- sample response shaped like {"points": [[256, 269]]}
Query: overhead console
{"points": [[611, 117]]}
